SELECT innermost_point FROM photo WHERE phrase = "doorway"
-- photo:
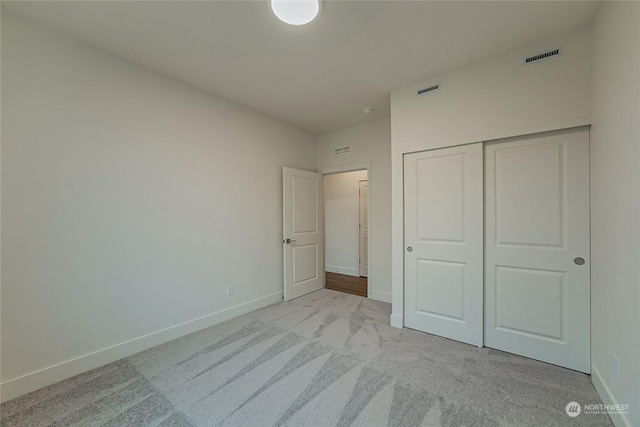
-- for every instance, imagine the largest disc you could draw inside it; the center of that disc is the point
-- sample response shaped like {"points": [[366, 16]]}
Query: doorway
{"points": [[346, 205]]}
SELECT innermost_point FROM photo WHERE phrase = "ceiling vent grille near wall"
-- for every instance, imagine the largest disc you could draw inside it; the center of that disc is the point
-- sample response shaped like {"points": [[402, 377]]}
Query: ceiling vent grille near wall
{"points": [[339, 151], [541, 56], [427, 90]]}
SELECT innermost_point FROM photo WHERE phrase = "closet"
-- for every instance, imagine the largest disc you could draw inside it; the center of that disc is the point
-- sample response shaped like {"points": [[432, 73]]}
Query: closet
{"points": [[497, 245]]}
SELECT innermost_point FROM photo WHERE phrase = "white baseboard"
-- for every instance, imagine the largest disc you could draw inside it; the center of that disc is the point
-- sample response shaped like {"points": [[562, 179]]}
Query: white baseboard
{"points": [[342, 270], [619, 420], [380, 296], [397, 321], [32, 381]]}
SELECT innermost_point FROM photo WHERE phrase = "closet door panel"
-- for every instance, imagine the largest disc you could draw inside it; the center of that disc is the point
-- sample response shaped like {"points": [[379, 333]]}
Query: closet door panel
{"points": [[537, 288], [443, 242]]}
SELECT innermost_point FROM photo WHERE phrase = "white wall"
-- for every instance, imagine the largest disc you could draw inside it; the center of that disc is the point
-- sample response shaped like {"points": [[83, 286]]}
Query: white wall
{"points": [[615, 206], [494, 99], [130, 202], [370, 147], [341, 222]]}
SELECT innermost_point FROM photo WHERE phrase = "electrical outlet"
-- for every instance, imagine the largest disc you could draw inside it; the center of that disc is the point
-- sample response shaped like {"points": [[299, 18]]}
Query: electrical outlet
{"points": [[229, 290], [616, 366]]}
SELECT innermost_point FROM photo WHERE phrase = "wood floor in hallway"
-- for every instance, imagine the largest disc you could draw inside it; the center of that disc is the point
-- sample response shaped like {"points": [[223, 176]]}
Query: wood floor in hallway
{"points": [[344, 283]]}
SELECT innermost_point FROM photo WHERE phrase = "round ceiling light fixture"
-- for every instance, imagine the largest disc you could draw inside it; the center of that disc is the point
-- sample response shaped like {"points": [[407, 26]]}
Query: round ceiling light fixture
{"points": [[296, 12], [367, 110]]}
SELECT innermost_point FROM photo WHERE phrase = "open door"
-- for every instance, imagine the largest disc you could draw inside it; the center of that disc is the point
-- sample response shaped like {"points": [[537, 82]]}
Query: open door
{"points": [[302, 232]]}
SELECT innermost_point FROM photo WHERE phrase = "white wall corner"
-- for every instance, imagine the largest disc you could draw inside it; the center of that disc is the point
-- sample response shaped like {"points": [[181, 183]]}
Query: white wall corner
{"points": [[397, 233], [619, 420], [32, 381], [397, 321]]}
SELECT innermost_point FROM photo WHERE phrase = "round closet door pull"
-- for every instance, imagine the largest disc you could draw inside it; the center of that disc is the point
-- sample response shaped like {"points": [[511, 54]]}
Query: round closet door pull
{"points": [[409, 249], [579, 261]]}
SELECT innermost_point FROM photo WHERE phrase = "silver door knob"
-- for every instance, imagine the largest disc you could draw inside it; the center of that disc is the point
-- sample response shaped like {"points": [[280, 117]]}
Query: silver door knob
{"points": [[579, 261], [288, 241], [409, 249]]}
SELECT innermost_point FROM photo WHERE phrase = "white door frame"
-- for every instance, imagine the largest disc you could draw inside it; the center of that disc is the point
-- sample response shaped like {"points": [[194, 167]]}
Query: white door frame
{"points": [[353, 167], [363, 210]]}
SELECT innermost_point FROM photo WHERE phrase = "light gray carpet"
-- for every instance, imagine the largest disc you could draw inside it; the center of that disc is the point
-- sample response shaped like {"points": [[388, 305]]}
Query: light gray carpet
{"points": [[326, 359]]}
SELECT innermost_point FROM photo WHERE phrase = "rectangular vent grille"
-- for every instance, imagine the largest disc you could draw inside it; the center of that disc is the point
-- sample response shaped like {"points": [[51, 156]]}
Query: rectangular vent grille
{"points": [[541, 56], [339, 151], [428, 90]]}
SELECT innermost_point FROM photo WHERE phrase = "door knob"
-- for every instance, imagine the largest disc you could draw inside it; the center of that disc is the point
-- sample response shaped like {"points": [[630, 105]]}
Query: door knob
{"points": [[409, 249], [288, 241], [579, 261]]}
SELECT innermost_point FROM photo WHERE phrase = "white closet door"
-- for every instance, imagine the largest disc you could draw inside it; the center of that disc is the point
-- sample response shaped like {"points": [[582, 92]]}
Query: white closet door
{"points": [[537, 247], [443, 242]]}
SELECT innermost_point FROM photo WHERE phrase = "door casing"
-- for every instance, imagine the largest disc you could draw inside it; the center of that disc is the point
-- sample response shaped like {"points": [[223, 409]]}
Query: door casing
{"points": [[352, 167], [363, 229]]}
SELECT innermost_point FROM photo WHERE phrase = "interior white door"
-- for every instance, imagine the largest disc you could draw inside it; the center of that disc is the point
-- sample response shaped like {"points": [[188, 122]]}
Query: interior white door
{"points": [[364, 228], [537, 247], [443, 242], [302, 232]]}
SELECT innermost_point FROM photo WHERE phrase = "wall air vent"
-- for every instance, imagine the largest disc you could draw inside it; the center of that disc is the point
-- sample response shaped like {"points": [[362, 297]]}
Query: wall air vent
{"points": [[427, 90], [541, 56], [339, 151]]}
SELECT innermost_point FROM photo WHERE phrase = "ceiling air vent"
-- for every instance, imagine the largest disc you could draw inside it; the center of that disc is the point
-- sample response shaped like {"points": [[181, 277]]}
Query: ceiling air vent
{"points": [[339, 151], [427, 90], [541, 56]]}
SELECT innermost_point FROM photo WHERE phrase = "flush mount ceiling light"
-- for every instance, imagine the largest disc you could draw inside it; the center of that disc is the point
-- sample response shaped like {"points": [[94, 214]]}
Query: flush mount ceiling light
{"points": [[296, 12]]}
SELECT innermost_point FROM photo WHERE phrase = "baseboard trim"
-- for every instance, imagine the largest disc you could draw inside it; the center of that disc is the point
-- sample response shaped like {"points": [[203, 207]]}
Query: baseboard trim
{"points": [[619, 420], [342, 270], [32, 381], [397, 321], [380, 296]]}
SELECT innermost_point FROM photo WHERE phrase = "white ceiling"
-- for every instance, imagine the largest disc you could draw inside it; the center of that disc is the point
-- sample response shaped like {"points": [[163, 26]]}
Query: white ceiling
{"points": [[316, 77]]}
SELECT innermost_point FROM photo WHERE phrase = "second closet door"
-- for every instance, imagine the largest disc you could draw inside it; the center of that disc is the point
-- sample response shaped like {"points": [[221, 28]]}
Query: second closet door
{"points": [[537, 247]]}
